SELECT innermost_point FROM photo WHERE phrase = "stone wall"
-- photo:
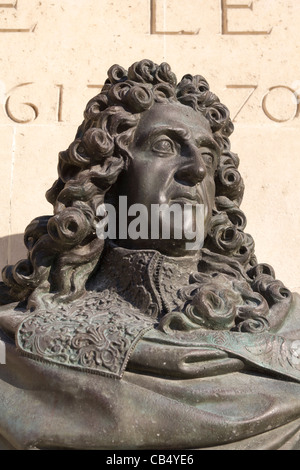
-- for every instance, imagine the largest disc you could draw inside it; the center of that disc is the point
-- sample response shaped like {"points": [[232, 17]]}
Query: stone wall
{"points": [[54, 57]]}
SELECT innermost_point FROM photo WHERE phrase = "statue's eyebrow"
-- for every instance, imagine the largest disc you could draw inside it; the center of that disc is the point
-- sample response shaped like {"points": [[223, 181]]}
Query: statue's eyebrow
{"points": [[206, 141], [182, 135], [185, 135]]}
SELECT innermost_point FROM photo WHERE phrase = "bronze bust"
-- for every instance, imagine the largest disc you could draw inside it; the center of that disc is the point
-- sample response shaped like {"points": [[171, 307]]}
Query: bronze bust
{"points": [[139, 343]]}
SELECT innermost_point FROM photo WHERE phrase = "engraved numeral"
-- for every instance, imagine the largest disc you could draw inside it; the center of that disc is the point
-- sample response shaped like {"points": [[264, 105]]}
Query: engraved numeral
{"points": [[99, 87], [251, 87], [32, 106], [294, 98], [60, 102]]}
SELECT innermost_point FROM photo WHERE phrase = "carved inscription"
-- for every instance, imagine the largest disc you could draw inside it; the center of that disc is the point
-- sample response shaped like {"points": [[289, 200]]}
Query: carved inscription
{"points": [[95, 86], [60, 102], [23, 111], [225, 6], [10, 5], [226, 28], [252, 89], [153, 23], [32, 107], [14, 106], [294, 100], [60, 99]]}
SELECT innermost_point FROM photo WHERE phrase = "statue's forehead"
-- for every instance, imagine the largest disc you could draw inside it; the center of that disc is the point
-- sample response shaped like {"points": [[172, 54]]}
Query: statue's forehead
{"points": [[173, 115], [182, 120]]}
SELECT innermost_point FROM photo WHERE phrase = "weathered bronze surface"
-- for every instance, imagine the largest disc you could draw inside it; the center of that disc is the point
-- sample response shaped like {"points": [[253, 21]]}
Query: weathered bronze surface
{"points": [[141, 344]]}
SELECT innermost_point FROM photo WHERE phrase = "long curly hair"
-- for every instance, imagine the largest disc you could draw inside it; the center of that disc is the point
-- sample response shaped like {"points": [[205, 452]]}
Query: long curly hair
{"points": [[63, 249]]}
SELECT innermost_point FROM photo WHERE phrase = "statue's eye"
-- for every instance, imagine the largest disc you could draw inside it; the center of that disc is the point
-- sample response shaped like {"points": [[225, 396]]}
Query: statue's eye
{"points": [[208, 157], [164, 146]]}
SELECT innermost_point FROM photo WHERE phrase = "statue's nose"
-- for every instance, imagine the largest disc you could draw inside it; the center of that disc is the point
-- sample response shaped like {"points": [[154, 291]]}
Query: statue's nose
{"points": [[193, 169]]}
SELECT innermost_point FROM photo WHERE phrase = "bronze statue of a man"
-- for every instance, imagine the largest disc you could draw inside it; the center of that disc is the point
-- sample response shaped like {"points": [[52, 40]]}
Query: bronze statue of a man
{"points": [[138, 342]]}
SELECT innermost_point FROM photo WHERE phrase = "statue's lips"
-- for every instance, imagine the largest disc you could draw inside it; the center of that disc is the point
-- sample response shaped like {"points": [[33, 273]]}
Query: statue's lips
{"points": [[186, 199], [183, 200]]}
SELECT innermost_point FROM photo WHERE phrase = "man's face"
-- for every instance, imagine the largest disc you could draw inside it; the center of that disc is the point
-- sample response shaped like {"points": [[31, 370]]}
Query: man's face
{"points": [[174, 158]]}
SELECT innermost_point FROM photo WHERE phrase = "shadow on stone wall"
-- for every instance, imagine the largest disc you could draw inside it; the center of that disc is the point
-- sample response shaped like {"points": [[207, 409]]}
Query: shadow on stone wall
{"points": [[12, 249]]}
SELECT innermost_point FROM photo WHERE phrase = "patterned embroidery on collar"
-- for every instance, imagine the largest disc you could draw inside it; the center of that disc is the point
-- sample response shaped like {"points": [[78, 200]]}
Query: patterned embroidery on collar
{"points": [[98, 332]]}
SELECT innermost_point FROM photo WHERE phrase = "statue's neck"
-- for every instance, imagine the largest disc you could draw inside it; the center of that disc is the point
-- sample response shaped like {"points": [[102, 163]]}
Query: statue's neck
{"points": [[146, 278]]}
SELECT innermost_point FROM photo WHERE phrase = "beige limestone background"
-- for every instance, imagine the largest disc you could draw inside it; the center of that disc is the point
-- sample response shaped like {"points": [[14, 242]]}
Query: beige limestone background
{"points": [[54, 56]]}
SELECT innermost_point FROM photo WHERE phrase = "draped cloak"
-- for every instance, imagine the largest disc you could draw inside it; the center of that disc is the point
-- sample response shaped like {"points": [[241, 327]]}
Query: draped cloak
{"points": [[99, 372]]}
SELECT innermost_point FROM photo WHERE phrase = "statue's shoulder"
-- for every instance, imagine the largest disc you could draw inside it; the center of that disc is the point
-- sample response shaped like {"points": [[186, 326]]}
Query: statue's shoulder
{"points": [[291, 326], [295, 306], [11, 316], [95, 333]]}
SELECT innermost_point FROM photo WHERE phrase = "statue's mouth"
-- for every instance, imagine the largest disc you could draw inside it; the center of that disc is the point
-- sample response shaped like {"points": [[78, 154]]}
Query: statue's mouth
{"points": [[186, 195], [185, 200]]}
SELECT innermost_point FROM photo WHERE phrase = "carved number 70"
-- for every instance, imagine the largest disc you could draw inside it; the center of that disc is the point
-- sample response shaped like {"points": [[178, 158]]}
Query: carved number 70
{"points": [[295, 97]]}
